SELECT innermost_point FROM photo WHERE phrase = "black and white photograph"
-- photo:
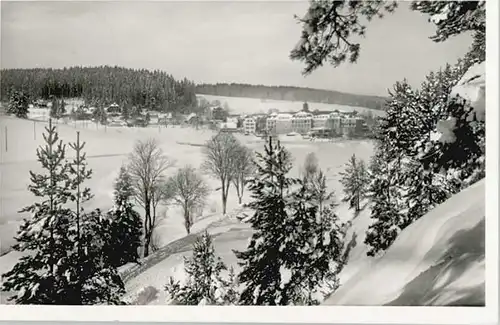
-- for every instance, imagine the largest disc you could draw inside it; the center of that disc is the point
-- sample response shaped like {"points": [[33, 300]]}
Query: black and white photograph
{"points": [[247, 153]]}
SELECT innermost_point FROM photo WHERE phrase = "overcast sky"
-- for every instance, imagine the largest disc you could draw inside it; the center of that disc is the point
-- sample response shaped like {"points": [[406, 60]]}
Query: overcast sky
{"points": [[212, 42]]}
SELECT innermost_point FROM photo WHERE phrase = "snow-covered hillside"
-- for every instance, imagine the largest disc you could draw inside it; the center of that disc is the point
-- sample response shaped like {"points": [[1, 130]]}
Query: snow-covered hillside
{"points": [[438, 260], [243, 105], [107, 150]]}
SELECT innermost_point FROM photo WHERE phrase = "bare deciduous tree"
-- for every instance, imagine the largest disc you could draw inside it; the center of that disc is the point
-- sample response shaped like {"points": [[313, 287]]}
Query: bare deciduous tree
{"points": [[311, 166], [220, 153], [189, 192], [244, 166], [315, 180], [147, 163]]}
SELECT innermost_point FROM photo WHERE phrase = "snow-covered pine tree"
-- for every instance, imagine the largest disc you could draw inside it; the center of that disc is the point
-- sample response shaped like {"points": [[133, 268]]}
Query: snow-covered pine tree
{"points": [[204, 283], [231, 294], [126, 226], [18, 104], [426, 190], [321, 196], [95, 279], [387, 203], [43, 275], [262, 260], [385, 212], [355, 181], [398, 133], [293, 249], [460, 151], [78, 174], [102, 283], [314, 252]]}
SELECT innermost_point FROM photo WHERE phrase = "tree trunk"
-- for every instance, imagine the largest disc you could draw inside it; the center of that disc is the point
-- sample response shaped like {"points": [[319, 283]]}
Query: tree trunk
{"points": [[241, 191], [187, 220], [147, 230], [224, 198], [224, 202]]}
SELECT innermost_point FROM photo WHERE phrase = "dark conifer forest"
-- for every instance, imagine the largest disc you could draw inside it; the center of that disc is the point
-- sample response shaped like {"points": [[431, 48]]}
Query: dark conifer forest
{"points": [[103, 85]]}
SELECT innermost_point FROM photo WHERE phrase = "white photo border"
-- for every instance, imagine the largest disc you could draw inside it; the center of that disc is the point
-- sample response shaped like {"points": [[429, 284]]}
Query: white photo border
{"points": [[327, 314]]}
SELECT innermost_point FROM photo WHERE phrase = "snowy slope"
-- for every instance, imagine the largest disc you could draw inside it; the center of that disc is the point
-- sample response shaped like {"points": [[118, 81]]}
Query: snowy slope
{"points": [[438, 260], [244, 105]]}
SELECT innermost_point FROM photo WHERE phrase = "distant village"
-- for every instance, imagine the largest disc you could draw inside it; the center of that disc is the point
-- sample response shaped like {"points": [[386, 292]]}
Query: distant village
{"points": [[309, 124]]}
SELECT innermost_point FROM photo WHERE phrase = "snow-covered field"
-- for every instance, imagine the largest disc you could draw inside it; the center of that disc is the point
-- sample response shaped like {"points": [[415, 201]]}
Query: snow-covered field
{"points": [[437, 260], [244, 105], [107, 149]]}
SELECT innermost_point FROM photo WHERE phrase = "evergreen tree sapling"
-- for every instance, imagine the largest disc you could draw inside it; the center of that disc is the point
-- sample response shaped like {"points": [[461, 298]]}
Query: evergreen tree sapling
{"points": [[96, 279], [204, 283], [126, 225], [43, 274], [386, 204], [291, 249], [355, 181]]}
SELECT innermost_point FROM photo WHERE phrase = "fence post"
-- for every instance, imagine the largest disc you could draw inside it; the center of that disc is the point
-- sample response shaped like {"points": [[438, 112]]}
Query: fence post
{"points": [[34, 130], [6, 142]]}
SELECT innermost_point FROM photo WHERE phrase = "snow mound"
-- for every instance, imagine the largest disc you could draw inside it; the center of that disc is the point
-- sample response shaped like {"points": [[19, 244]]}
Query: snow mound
{"points": [[472, 88], [438, 260]]}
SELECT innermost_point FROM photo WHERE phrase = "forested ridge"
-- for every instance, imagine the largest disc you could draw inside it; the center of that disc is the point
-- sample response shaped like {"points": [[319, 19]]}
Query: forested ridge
{"points": [[155, 90], [103, 85], [291, 94]]}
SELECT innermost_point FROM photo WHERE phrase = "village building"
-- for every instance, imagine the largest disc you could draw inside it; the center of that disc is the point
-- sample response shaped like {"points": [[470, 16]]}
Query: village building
{"points": [[249, 125]]}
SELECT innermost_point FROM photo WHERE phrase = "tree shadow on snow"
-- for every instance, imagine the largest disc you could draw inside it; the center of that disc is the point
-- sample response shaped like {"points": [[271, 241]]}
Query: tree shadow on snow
{"points": [[465, 249]]}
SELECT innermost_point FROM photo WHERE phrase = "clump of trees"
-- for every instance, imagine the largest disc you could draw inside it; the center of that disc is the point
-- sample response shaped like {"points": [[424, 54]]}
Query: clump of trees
{"points": [[295, 249], [295, 252], [430, 145], [229, 161], [18, 104], [147, 165], [65, 260], [243, 168], [153, 89]]}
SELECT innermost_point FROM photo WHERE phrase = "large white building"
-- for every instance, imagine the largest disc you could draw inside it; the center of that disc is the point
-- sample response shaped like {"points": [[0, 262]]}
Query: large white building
{"points": [[349, 124], [334, 122], [271, 123], [284, 123], [279, 123], [302, 122], [249, 124], [319, 121]]}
